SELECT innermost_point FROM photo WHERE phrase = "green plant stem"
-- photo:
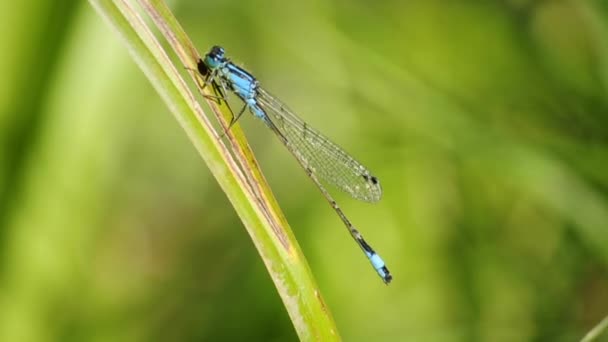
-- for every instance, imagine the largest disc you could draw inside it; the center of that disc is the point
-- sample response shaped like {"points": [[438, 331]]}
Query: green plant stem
{"points": [[241, 180], [596, 331]]}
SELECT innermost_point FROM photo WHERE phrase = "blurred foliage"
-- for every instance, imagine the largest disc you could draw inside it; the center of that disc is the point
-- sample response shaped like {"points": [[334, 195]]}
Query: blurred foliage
{"points": [[486, 121]]}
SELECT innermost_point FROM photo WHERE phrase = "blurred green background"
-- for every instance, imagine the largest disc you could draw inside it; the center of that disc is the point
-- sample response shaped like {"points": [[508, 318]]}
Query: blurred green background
{"points": [[486, 121]]}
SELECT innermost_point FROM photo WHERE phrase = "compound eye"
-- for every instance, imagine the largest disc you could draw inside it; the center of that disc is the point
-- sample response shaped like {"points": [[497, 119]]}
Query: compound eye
{"points": [[217, 51]]}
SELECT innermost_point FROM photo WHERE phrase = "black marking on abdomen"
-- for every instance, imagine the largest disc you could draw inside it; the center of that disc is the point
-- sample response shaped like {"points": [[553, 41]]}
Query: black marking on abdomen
{"points": [[387, 275], [366, 247]]}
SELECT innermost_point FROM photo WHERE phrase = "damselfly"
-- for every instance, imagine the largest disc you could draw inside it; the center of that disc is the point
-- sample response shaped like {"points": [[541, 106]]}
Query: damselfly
{"points": [[316, 154]]}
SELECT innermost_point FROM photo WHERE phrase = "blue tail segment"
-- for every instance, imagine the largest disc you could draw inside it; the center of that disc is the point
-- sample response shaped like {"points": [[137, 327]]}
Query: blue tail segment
{"points": [[376, 260]]}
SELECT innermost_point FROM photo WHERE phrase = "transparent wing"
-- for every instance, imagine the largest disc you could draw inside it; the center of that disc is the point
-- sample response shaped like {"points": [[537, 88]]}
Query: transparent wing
{"points": [[317, 153]]}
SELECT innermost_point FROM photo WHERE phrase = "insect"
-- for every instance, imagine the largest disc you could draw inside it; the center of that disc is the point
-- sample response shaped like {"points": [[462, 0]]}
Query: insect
{"points": [[318, 156]]}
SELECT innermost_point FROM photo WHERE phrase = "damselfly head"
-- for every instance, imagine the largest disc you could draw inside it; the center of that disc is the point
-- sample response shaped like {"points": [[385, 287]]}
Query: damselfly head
{"points": [[215, 57]]}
